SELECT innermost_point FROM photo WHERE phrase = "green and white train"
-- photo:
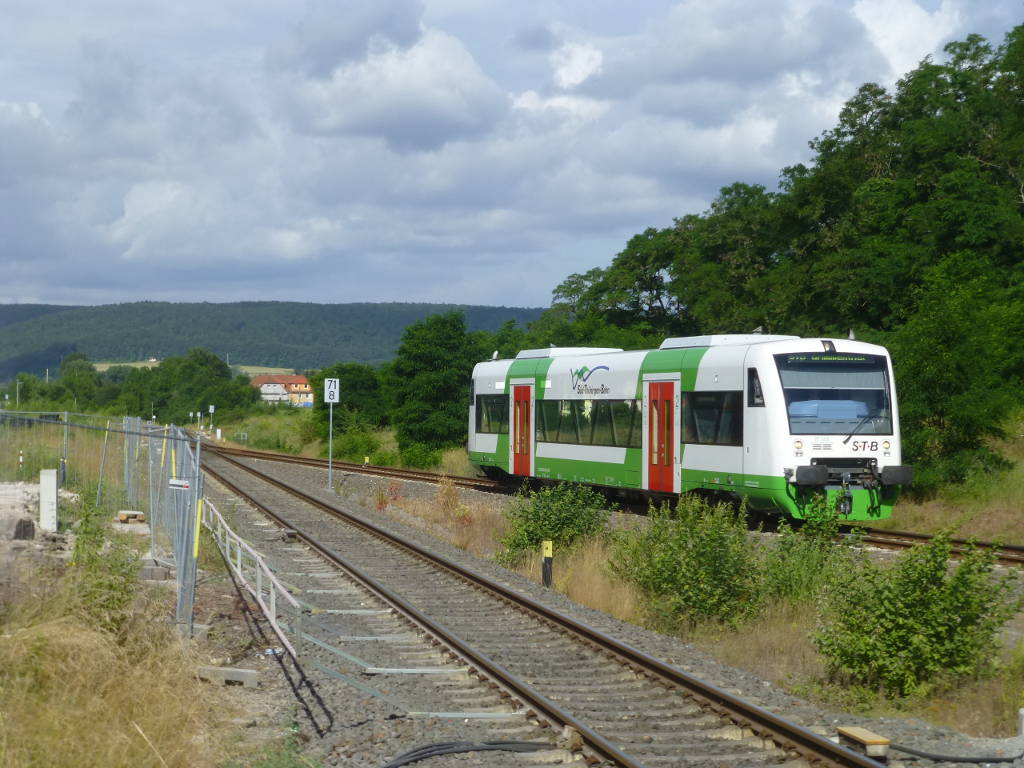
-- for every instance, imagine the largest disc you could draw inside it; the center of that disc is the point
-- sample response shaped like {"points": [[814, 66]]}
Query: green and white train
{"points": [[775, 419]]}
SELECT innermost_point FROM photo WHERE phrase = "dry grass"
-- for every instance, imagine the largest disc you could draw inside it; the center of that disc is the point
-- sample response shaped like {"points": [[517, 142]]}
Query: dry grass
{"points": [[74, 695], [101, 367], [986, 507], [455, 462], [477, 528], [775, 645], [263, 370], [42, 445], [582, 575], [985, 707]]}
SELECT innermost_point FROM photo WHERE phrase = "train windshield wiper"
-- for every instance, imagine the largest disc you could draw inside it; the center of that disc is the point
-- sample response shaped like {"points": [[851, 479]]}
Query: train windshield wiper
{"points": [[860, 424]]}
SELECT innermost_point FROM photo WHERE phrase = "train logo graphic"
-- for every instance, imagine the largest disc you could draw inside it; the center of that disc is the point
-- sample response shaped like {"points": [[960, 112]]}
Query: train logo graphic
{"points": [[580, 377]]}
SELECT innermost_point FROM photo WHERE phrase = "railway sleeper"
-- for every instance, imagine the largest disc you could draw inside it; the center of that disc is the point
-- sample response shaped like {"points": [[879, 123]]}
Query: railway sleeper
{"points": [[700, 754], [611, 687], [684, 717], [674, 738]]}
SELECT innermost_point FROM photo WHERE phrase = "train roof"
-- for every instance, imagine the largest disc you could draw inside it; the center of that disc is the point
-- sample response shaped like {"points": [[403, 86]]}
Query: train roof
{"points": [[722, 340], [564, 352]]}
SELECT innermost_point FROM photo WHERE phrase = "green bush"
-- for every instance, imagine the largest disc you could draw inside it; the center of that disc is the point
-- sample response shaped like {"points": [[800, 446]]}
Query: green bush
{"points": [[804, 560], [355, 445], [105, 569], [905, 627], [381, 458], [419, 455], [696, 563], [564, 513]]}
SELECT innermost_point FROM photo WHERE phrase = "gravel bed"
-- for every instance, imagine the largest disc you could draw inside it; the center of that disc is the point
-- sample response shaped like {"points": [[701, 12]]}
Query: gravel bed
{"points": [[357, 494]]}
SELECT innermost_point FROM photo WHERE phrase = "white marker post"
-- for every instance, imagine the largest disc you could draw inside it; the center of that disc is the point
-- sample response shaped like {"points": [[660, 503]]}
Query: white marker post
{"points": [[211, 418], [332, 395]]}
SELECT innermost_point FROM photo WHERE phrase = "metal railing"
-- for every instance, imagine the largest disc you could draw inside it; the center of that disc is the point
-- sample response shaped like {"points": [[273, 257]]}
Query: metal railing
{"points": [[252, 572]]}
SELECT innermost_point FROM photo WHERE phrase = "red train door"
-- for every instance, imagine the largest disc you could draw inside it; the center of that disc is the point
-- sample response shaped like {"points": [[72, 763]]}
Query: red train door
{"points": [[661, 417], [521, 431]]}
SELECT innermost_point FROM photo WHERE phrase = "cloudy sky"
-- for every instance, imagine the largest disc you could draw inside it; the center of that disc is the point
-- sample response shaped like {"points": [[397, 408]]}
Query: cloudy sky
{"points": [[470, 151]]}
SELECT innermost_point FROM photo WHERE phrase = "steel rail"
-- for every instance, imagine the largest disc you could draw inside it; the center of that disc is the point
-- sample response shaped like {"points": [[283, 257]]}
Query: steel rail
{"points": [[758, 720], [480, 484], [538, 704], [1007, 554]]}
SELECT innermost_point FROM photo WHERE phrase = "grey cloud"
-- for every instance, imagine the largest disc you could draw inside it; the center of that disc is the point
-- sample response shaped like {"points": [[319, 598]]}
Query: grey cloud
{"points": [[370, 152], [331, 34], [28, 147], [108, 90], [538, 37]]}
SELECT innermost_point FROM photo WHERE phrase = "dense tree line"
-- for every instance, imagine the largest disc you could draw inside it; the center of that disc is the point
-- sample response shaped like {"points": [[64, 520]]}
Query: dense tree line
{"points": [[170, 391]]}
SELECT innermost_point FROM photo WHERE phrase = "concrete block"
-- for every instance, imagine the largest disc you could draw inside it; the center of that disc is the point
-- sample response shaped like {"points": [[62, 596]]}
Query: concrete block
{"points": [[154, 573], [130, 516], [48, 499], [230, 676]]}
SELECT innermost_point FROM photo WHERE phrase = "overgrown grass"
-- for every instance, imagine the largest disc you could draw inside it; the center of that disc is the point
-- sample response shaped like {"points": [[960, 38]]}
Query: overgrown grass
{"points": [[986, 506], [475, 528], [291, 430], [26, 450], [275, 428], [92, 675], [581, 573]]}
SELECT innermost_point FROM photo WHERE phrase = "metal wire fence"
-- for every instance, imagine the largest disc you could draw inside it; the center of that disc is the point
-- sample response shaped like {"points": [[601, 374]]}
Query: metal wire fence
{"points": [[159, 478]]}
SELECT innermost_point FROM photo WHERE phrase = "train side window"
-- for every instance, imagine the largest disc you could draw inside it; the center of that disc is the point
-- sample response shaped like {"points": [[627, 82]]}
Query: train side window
{"points": [[590, 422], [601, 423], [713, 418], [548, 416], [755, 397], [492, 414]]}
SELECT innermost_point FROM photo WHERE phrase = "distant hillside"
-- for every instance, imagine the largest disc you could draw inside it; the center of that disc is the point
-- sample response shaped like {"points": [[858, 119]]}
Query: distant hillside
{"points": [[16, 313], [272, 333]]}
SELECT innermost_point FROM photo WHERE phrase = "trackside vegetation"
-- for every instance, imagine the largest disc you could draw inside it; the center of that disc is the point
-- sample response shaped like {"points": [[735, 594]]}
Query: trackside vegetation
{"points": [[91, 672], [904, 629], [917, 623], [564, 514]]}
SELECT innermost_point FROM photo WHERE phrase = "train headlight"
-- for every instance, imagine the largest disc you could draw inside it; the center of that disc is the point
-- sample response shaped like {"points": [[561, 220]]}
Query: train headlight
{"points": [[886, 445], [798, 445]]}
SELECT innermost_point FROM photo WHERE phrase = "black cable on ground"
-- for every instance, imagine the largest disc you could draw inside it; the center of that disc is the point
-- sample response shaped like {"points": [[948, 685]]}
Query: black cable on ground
{"points": [[951, 758], [453, 747]]}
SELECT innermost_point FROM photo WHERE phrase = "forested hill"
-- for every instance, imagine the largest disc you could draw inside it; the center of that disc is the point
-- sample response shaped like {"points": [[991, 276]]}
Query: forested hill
{"points": [[287, 334], [16, 313]]}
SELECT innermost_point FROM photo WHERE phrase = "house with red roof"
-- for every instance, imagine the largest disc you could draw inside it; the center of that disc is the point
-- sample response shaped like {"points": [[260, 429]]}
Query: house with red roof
{"points": [[283, 388]]}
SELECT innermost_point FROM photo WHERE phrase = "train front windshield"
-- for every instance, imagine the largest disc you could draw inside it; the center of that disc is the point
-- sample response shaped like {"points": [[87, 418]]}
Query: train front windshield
{"points": [[836, 393]]}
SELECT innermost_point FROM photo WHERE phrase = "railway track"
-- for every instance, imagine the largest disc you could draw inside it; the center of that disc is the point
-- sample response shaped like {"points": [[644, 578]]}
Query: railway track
{"points": [[1009, 555], [474, 483], [624, 707]]}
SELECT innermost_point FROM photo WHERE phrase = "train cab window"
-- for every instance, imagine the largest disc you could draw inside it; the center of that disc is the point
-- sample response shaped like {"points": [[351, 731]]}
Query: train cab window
{"points": [[492, 414], [836, 393], [755, 397], [713, 418]]}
